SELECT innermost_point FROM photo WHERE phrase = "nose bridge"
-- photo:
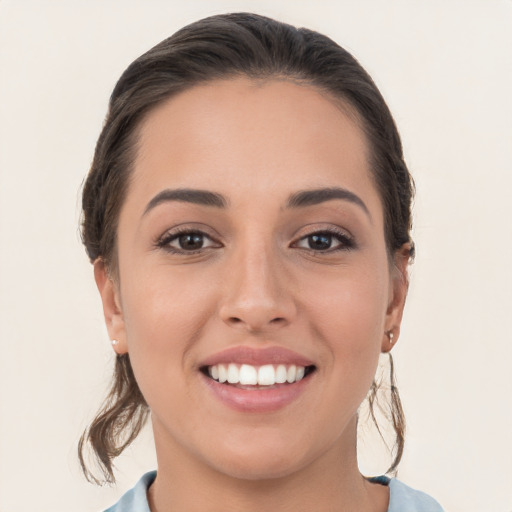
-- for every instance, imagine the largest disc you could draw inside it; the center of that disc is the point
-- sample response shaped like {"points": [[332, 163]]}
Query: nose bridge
{"points": [[257, 277], [257, 295]]}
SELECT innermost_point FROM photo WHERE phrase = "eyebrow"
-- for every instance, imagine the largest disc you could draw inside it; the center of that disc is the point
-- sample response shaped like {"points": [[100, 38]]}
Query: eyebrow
{"points": [[299, 199], [321, 195], [187, 195]]}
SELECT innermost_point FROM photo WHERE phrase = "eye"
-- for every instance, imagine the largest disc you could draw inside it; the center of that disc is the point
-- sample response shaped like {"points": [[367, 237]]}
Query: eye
{"points": [[186, 242], [325, 241]]}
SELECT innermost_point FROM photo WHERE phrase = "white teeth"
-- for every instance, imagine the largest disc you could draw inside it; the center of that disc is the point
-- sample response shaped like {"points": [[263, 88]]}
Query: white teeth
{"points": [[291, 374], [266, 375], [248, 375], [223, 373], [233, 374], [281, 374]]}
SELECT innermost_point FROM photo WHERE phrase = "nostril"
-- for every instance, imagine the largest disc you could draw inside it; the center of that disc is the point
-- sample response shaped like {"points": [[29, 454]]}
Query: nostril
{"points": [[234, 320]]}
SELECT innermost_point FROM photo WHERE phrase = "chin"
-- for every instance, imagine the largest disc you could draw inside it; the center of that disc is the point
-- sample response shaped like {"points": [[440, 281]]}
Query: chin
{"points": [[263, 468], [263, 461]]}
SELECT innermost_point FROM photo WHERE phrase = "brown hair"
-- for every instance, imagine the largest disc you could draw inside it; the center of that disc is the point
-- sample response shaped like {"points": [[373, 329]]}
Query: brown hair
{"points": [[220, 47]]}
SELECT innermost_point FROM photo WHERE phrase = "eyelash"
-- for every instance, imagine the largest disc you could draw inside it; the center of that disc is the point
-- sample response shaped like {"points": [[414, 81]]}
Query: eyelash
{"points": [[346, 242], [165, 241]]}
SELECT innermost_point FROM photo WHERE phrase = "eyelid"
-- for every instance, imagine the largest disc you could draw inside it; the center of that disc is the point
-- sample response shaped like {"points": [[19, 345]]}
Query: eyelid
{"points": [[176, 236], [164, 241], [345, 239]]}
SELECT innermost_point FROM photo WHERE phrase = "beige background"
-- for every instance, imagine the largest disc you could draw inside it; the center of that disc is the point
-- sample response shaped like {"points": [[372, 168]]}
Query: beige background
{"points": [[444, 67]]}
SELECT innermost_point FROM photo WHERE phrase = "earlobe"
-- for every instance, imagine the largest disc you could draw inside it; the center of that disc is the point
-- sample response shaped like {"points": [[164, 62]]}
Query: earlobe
{"points": [[398, 294], [112, 311]]}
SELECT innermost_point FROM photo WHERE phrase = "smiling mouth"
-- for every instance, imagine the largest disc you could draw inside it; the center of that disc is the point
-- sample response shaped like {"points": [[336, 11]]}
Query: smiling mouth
{"points": [[247, 376]]}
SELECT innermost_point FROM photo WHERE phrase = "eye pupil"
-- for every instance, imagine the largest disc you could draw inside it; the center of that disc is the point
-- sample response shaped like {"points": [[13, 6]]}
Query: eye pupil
{"points": [[191, 241], [319, 241]]}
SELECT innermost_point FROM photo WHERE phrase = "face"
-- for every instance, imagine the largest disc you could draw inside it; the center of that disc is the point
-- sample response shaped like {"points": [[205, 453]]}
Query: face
{"points": [[254, 288]]}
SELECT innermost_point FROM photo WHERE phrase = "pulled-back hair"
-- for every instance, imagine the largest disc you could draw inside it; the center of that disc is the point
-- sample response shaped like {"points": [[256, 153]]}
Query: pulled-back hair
{"points": [[223, 47]]}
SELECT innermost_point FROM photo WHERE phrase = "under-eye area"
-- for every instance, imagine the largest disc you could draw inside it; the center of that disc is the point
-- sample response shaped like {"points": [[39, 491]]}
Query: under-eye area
{"points": [[257, 376]]}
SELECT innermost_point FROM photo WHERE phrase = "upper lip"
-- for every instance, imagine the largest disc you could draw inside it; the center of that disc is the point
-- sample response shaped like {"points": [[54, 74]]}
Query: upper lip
{"points": [[257, 356]]}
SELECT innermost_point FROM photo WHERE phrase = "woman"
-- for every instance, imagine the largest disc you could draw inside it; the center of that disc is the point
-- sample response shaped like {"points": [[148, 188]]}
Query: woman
{"points": [[248, 217]]}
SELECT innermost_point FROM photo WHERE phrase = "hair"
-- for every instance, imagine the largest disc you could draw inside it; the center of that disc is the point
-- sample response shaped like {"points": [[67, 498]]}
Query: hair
{"points": [[222, 47]]}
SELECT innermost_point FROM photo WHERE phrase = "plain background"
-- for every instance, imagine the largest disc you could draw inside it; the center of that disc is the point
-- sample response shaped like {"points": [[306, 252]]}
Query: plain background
{"points": [[444, 67]]}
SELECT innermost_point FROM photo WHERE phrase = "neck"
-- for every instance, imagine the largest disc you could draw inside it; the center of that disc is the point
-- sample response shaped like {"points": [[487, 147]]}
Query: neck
{"points": [[330, 483]]}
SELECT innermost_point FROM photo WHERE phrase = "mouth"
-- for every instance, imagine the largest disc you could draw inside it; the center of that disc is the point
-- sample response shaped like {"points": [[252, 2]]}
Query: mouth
{"points": [[257, 380], [253, 377]]}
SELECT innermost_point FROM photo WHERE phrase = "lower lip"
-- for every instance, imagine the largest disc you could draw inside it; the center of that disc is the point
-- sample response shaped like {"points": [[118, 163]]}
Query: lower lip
{"points": [[258, 399]]}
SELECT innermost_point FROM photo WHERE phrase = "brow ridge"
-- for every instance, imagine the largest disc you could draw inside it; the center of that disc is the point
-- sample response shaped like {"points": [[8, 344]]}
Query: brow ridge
{"points": [[312, 197], [188, 195], [300, 199]]}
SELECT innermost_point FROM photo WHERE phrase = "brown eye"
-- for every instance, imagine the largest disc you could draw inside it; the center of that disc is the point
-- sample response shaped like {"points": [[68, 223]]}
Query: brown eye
{"points": [[319, 242], [190, 241], [187, 242], [326, 241]]}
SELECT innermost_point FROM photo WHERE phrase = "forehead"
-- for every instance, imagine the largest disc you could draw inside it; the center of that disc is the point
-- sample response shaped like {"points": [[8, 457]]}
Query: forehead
{"points": [[252, 136]]}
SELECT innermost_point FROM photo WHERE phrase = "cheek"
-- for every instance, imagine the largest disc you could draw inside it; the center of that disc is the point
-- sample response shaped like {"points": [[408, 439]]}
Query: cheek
{"points": [[350, 307], [350, 314], [161, 304], [164, 313]]}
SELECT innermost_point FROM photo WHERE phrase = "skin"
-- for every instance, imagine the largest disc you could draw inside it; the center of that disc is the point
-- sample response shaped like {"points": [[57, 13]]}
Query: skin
{"points": [[256, 282]]}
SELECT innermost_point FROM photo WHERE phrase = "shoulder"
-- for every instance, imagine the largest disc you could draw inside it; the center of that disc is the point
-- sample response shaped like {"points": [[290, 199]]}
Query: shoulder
{"points": [[135, 500], [402, 497]]}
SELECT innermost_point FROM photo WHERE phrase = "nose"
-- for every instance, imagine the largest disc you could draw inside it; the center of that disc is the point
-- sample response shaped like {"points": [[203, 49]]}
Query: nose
{"points": [[258, 296]]}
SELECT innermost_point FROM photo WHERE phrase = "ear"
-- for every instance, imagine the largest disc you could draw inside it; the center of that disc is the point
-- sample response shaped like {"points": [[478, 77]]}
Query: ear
{"points": [[109, 292], [397, 296]]}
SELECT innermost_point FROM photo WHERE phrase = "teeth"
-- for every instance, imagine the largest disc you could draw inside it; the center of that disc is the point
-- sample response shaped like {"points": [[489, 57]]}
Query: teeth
{"points": [[248, 375], [281, 374], [266, 375], [233, 374], [223, 373]]}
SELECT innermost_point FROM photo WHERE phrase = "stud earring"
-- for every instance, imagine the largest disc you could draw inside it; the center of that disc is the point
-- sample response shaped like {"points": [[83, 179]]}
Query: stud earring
{"points": [[114, 343], [390, 335]]}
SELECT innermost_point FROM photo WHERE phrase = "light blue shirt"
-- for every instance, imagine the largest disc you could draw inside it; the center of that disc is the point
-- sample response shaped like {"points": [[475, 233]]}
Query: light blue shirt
{"points": [[401, 497]]}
